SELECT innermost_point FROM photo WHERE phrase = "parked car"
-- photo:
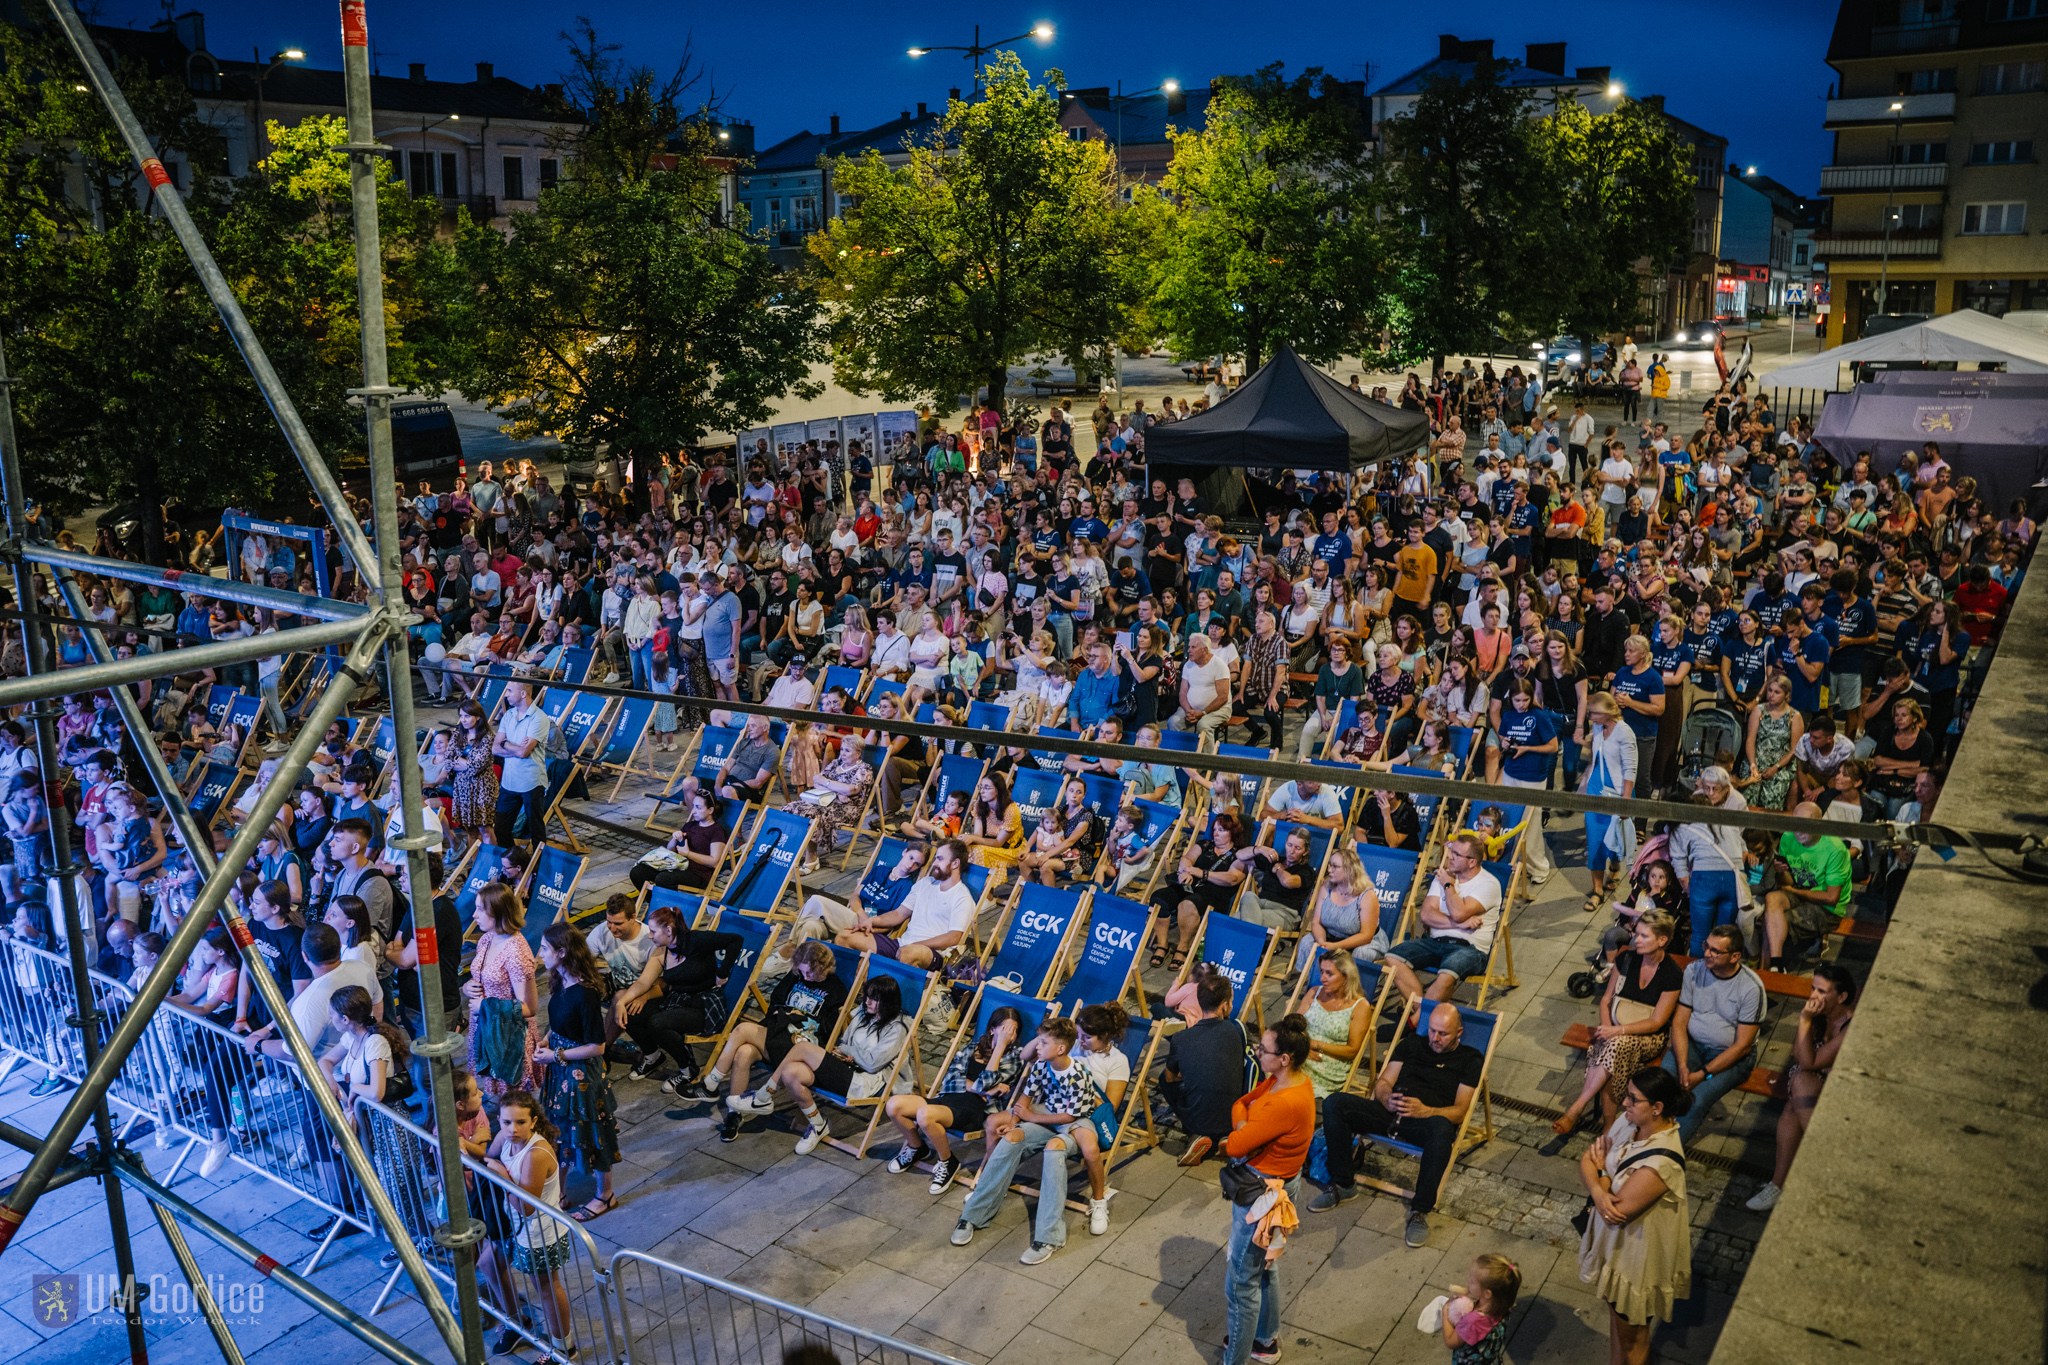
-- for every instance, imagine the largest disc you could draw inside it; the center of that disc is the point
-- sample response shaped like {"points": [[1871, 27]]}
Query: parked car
{"points": [[1570, 351]]}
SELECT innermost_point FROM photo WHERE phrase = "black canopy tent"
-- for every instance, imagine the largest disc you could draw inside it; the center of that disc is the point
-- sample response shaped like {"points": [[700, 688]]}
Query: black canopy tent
{"points": [[1289, 415]]}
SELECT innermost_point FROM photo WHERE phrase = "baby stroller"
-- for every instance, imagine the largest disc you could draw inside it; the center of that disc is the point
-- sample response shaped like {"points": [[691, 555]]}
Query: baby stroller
{"points": [[1712, 735]]}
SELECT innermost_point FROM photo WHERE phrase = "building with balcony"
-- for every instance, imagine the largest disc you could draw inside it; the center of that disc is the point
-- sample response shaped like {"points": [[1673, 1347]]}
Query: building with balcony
{"points": [[1937, 193]]}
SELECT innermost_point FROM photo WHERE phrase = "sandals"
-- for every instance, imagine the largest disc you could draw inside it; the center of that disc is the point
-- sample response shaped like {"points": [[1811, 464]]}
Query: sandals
{"points": [[1180, 960], [597, 1208], [1159, 957], [1592, 902]]}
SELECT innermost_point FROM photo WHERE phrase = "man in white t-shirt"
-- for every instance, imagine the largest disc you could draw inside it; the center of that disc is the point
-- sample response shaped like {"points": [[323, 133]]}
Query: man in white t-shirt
{"points": [[1461, 913], [1204, 691], [1615, 474], [935, 915], [322, 948]]}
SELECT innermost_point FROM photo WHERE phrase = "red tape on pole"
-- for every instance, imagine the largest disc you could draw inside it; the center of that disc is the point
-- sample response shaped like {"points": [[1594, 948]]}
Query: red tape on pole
{"points": [[10, 1223], [154, 172], [239, 931], [264, 1265], [355, 25]]}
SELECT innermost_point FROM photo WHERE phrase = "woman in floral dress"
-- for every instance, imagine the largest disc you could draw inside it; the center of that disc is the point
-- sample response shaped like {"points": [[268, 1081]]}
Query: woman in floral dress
{"points": [[473, 784], [500, 988], [849, 778]]}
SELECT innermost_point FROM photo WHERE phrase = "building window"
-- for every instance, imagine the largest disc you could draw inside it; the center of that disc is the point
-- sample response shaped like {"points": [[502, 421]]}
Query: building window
{"points": [[515, 177], [1077, 134], [2008, 78], [1994, 220], [775, 215], [550, 172], [1799, 254], [1919, 153], [1935, 82], [1916, 216], [2005, 152], [451, 176], [2005, 10], [422, 164], [803, 213]]}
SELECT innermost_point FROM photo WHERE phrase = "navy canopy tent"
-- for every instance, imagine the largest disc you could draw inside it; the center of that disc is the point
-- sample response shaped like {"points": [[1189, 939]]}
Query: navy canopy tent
{"points": [[2001, 442], [1289, 415]]}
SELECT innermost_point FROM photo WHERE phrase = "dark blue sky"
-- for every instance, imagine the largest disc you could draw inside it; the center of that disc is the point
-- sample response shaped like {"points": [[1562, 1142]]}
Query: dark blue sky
{"points": [[1751, 70]]}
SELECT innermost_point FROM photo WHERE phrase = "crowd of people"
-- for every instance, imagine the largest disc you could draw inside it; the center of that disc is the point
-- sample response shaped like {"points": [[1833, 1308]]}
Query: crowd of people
{"points": [[1708, 606]]}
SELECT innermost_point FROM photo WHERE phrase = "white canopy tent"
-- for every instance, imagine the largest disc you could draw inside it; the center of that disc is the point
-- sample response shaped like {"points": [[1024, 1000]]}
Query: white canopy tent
{"points": [[1966, 337]]}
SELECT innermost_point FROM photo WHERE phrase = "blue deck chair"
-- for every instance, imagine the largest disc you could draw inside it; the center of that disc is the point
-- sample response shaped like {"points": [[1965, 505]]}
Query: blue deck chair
{"points": [[1105, 959], [841, 675], [1427, 807], [219, 697], [883, 687], [986, 715], [1500, 955], [244, 710], [1392, 873], [585, 714], [575, 664], [1033, 938], [1157, 822], [1143, 1044], [549, 887], [712, 744], [484, 864], [1252, 787], [917, 988], [1054, 732], [1481, 1031], [623, 739], [743, 971], [211, 793], [954, 772], [1239, 949], [1104, 795], [1036, 790], [973, 1023], [493, 694], [772, 857], [1347, 716], [688, 904], [1180, 742], [1461, 745], [555, 701]]}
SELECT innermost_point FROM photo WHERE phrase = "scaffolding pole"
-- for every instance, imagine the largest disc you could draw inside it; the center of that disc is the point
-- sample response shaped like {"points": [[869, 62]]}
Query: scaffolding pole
{"points": [[35, 656], [227, 589], [202, 1296], [462, 1232], [215, 283], [114, 673]]}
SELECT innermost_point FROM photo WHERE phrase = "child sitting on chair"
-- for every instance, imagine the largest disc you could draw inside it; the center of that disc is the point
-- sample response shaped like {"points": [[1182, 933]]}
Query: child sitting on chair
{"points": [[943, 823], [1486, 827]]}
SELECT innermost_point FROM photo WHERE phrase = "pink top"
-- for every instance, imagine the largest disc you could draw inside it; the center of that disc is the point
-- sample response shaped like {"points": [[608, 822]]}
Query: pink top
{"points": [[1474, 1326]]}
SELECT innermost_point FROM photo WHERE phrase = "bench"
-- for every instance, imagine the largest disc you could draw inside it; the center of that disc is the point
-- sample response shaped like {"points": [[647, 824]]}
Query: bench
{"points": [[1860, 930], [1760, 1081]]}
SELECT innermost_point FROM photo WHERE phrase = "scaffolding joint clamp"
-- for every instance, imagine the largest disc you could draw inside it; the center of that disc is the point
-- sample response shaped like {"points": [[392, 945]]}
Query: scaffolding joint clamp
{"points": [[453, 1238], [445, 1048], [424, 842]]}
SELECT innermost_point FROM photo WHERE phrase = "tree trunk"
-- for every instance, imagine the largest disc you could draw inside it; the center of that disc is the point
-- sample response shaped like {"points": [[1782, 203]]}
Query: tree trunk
{"points": [[998, 383], [641, 460]]}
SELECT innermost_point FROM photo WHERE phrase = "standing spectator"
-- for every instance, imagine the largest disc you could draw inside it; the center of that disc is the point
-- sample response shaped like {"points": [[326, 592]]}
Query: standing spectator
{"points": [[521, 743], [1636, 1249], [504, 1014], [1270, 1133], [574, 1091]]}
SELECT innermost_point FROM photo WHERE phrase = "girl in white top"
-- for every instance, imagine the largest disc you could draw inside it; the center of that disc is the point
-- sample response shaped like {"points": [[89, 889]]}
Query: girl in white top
{"points": [[927, 651], [523, 1152]]}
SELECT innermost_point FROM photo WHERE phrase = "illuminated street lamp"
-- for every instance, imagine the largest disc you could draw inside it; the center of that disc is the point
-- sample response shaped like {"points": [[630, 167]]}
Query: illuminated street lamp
{"points": [[975, 51]]}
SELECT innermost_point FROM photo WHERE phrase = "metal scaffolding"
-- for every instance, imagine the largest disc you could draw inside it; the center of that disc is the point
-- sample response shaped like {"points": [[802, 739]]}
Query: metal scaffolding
{"points": [[375, 633]]}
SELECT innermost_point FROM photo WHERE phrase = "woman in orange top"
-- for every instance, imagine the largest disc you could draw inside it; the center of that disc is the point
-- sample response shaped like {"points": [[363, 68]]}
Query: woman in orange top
{"points": [[1273, 1126]]}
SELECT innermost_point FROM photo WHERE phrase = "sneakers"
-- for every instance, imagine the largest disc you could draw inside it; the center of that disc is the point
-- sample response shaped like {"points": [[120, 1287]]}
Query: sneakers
{"points": [[943, 1173], [648, 1064], [1098, 1216], [346, 1229], [682, 1085], [1418, 1230], [729, 1127], [1265, 1352], [1038, 1253], [1765, 1199], [963, 1233], [49, 1085], [910, 1154], [709, 1086], [815, 1132], [1330, 1196], [508, 1343], [216, 1157], [753, 1102]]}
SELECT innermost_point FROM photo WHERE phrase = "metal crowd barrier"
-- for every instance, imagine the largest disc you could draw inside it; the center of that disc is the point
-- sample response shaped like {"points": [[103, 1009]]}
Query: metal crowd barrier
{"points": [[38, 1007], [677, 1316], [565, 1294]]}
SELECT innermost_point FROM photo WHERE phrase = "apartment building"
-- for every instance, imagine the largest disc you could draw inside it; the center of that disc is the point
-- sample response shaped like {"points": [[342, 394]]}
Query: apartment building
{"points": [[1939, 196]]}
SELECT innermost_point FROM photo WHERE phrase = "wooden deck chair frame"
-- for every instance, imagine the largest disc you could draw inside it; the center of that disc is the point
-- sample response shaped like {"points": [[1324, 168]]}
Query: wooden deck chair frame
{"points": [[1499, 975], [1008, 922], [1136, 1133], [629, 767], [1373, 996], [963, 1034], [735, 863], [525, 883], [246, 711], [1251, 999], [1347, 716], [708, 918], [1482, 1100], [1167, 844], [875, 1104], [693, 754], [1269, 835]]}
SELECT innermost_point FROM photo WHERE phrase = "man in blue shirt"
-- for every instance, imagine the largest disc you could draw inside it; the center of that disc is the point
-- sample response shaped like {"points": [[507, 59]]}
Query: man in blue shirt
{"points": [[196, 620], [1805, 662], [1333, 547], [881, 893], [721, 636], [1095, 689], [1088, 526], [1855, 621]]}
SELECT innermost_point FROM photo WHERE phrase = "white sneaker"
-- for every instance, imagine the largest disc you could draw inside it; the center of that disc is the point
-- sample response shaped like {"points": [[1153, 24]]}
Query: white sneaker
{"points": [[753, 1102], [1098, 1216], [216, 1157], [1765, 1199], [815, 1132]]}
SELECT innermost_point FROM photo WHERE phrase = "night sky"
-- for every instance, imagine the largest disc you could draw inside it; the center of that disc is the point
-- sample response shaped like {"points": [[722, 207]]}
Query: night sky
{"points": [[1747, 69]]}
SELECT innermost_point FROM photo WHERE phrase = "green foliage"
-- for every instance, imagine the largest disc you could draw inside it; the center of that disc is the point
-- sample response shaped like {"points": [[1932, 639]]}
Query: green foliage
{"points": [[128, 383], [1270, 241], [998, 240], [622, 309]]}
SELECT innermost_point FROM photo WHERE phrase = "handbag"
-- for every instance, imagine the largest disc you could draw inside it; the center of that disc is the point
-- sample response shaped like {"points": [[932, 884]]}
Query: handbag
{"points": [[1242, 1185]]}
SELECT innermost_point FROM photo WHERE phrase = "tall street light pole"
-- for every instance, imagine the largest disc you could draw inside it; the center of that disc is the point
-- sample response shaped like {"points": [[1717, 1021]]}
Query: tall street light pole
{"points": [[289, 54], [977, 50], [1891, 181]]}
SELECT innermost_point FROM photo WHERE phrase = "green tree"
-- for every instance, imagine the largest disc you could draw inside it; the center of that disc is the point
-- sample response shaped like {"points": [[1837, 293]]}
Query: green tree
{"points": [[1460, 190], [128, 385], [998, 240], [1622, 191], [1271, 240], [623, 308]]}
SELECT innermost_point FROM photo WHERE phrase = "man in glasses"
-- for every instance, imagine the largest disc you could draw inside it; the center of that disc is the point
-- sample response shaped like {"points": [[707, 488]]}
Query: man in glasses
{"points": [[1714, 1033], [1461, 913]]}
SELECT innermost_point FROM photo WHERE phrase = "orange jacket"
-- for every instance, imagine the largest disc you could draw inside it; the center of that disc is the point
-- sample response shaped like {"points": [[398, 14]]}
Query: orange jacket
{"points": [[1274, 1128]]}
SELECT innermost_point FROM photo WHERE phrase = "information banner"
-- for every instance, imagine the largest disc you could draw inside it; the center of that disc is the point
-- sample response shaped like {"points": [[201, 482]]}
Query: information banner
{"points": [[897, 432]]}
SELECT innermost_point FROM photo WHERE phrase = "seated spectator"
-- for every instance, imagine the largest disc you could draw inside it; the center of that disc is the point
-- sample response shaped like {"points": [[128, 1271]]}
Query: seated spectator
{"points": [[1281, 881], [1346, 917], [935, 915], [1823, 1024], [977, 1077], [687, 860], [1208, 879], [1714, 1031], [1423, 1093], [881, 893], [1460, 915], [1205, 1068], [1303, 802], [803, 1007], [866, 1051], [1050, 1113], [1635, 1022], [1814, 889]]}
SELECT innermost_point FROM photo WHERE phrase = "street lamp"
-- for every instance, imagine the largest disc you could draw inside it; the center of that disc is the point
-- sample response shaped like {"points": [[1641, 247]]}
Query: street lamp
{"points": [[287, 54], [1891, 181], [1614, 90], [976, 50]]}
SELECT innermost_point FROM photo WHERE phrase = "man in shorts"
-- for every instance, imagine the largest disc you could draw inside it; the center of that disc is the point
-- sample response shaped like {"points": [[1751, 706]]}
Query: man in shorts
{"points": [[1461, 913], [722, 636]]}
